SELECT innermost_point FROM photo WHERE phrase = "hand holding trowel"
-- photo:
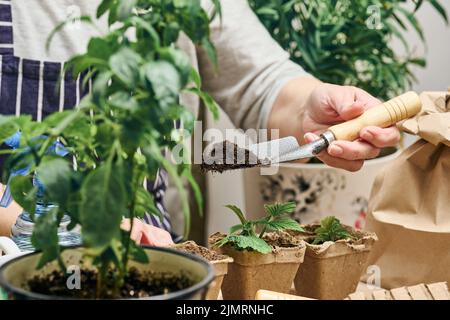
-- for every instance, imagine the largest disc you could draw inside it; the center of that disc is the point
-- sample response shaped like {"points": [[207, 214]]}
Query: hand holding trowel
{"points": [[384, 115], [227, 156]]}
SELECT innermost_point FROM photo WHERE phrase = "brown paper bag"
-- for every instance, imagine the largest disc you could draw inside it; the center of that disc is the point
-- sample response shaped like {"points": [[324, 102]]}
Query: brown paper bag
{"points": [[409, 208]]}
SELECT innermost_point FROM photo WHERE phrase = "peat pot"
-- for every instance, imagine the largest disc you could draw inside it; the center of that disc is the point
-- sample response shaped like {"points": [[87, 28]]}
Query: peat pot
{"points": [[252, 271], [332, 270]]}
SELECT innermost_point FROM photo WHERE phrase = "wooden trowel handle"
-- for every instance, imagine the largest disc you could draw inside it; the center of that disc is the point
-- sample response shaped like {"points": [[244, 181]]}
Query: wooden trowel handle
{"points": [[384, 115]]}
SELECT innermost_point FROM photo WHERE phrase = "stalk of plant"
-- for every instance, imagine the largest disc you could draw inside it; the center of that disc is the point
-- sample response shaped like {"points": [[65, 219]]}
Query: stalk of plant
{"points": [[118, 134], [349, 42], [244, 236]]}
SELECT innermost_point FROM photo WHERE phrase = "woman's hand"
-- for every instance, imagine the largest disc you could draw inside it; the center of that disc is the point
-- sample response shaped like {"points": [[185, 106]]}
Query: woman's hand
{"points": [[331, 104], [307, 107], [146, 234]]}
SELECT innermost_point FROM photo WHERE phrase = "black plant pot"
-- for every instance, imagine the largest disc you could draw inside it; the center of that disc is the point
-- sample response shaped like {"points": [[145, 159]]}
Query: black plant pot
{"points": [[15, 273]]}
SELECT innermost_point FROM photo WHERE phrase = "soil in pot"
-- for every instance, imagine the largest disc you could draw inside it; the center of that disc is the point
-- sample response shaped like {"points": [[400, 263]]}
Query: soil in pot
{"points": [[332, 270], [226, 155], [219, 262], [137, 284], [169, 274], [252, 271]]}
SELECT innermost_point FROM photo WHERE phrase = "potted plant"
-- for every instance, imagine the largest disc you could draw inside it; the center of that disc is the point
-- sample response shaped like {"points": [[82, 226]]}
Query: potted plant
{"points": [[334, 260], [117, 135], [346, 43], [219, 262], [259, 256]]}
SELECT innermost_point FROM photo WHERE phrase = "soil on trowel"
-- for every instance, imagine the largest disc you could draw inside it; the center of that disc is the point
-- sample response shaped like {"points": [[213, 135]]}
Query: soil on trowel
{"points": [[137, 284], [226, 155], [192, 247]]}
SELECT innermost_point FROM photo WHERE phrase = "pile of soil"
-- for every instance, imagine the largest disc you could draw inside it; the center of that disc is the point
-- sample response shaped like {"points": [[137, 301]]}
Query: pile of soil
{"points": [[226, 155], [192, 247], [281, 239], [137, 284]]}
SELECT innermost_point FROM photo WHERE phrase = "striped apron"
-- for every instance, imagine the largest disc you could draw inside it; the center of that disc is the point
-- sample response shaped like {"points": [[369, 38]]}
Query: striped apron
{"points": [[30, 87]]}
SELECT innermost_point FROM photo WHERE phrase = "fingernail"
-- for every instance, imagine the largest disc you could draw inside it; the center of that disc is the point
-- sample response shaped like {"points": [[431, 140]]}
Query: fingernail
{"points": [[335, 150]]}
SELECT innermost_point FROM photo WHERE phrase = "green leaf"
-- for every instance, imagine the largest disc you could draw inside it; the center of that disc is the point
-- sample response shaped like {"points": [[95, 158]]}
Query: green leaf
{"points": [[145, 204], [163, 78], [236, 228], [104, 7], [330, 229], [125, 65], [238, 213], [145, 25], [284, 224], [103, 203], [194, 76], [209, 102], [45, 238], [123, 100], [440, 9], [99, 48], [55, 175], [210, 51], [138, 254], [279, 209], [8, 127], [125, 8], [24, 192], [246, 243], [100, 86], [180, 59]]}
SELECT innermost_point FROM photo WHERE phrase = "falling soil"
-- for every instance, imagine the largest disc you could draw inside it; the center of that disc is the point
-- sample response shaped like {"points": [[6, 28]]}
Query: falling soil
{"points": [[137, 284], [226, 155], [192, 247]]}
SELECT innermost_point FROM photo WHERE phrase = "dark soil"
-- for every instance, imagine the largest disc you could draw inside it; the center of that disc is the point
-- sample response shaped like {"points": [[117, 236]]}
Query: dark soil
{"points": [[192, 247], [137, 284], [226, 155]]}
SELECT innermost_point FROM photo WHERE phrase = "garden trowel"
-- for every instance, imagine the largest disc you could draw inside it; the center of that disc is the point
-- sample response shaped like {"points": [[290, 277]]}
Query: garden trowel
{"points": [[383, 115]]}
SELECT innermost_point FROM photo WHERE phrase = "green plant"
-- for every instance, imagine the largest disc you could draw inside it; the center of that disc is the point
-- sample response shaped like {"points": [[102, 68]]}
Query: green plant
{"points": [[348, 42], [330, 229], [118, 134], [243, 236]]}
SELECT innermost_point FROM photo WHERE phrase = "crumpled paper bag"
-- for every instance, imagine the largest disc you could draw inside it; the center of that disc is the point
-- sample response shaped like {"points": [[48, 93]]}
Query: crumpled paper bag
{"points": [[409, 207]]}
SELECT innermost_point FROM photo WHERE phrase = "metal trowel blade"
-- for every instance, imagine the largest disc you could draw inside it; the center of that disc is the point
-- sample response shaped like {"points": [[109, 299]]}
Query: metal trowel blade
{"points": [[285, 149]]}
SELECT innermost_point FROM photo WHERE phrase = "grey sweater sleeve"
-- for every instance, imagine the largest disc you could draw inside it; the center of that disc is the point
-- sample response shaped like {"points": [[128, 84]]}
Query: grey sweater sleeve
{"points": [[252, 66]]}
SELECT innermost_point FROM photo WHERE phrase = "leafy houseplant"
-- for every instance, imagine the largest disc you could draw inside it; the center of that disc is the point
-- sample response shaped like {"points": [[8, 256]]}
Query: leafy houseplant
{"points": [[330, 229], [334, 259], [247, 239], [258, 256], [117, 135], [348, 42]]}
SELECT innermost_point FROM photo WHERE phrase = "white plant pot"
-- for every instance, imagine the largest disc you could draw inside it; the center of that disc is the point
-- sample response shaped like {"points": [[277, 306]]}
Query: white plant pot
{"points": [[318, 190]]}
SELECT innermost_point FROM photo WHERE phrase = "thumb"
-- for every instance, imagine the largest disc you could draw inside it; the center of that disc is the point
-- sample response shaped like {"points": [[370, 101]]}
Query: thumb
{"points": [[351, 111]]}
